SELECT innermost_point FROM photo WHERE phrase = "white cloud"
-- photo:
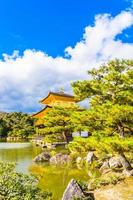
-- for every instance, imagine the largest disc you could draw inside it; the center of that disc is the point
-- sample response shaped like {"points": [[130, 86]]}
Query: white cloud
{"points": [[24, 79]]}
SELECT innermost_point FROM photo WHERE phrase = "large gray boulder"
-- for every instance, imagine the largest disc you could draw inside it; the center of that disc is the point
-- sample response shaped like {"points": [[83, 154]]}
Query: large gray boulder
{"points": [[59, 159], [115, 162], [44, 156], [73, 191]]}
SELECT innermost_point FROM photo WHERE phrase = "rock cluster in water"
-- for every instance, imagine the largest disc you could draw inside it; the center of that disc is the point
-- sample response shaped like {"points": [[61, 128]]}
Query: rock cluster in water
{"points": [[58, 159], [44, 156]]}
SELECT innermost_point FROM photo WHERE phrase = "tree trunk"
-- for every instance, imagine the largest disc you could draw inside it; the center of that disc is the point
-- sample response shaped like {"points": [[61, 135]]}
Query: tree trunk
{"points": [[64, 136], [67, 136], [125, 163]]}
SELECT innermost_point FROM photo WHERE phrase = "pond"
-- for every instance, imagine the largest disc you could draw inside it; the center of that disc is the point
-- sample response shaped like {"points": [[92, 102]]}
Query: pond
{"points": [[20, 153], [53, 179]]}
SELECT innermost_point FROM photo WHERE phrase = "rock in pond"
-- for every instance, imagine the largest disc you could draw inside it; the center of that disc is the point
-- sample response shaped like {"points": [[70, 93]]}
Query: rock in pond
{"points": [[59, 158], [73, 191], [44, 156]]}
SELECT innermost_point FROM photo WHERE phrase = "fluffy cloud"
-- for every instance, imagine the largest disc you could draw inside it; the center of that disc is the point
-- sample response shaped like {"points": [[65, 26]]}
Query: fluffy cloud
{"points": [[27, 78]]}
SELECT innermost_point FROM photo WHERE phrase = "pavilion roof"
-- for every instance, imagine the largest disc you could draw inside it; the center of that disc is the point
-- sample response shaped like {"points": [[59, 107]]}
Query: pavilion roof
{"points": [[62, 94], [41, 110]]}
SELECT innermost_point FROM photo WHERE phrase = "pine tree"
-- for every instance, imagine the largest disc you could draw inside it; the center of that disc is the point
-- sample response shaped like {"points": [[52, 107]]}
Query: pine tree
{"points": [[109, 119], [58, 121]]}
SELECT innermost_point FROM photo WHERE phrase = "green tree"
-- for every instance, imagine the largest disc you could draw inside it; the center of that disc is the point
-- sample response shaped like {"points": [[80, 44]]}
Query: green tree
{"points": [[58, 121], [109, 90], [111, 82], [3, 128], [110, 95]]}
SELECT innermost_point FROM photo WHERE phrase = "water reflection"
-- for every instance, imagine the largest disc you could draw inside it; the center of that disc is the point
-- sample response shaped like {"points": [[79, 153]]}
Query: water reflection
{"points": [[20, 153], [53, 178]]}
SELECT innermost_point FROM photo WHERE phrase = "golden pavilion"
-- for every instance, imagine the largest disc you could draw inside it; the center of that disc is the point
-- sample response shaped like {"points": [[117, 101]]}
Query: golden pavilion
{"points": [[52, 99]]}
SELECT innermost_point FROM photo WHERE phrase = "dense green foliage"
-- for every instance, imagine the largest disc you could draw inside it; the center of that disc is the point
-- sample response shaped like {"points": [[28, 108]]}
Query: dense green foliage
{"points": [[109, 119], [16, 186], [108, 145], [58, 123], [16, 124], [110, 95]]}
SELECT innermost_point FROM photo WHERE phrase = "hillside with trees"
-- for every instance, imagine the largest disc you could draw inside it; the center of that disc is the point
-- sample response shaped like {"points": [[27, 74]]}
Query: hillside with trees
{"points": [[16, 124]]}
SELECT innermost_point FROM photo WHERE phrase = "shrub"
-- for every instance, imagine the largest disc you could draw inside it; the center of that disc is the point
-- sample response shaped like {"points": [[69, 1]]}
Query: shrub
{"points": [[17, 186]]}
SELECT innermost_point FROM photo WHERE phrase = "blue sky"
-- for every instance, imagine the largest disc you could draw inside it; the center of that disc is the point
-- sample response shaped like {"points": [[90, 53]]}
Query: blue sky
{"points": [[46, 44], [50, 25]]}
